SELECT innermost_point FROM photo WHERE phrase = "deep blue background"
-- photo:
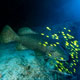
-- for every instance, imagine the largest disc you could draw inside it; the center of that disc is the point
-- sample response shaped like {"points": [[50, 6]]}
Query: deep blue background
{"points": [[34, 13]]}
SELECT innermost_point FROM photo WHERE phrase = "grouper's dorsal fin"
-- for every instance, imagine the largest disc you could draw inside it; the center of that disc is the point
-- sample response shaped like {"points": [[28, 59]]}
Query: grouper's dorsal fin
{"points": [[8, 35], [26, 30]]}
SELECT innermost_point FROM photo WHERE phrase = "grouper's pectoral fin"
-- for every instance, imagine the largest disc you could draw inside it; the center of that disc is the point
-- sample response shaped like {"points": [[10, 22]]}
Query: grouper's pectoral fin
{"points": [[19, 46]]}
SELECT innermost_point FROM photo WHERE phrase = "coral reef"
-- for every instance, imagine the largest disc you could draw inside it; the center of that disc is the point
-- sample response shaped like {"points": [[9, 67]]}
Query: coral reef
{"points": [[21, 65], [27, 65]]}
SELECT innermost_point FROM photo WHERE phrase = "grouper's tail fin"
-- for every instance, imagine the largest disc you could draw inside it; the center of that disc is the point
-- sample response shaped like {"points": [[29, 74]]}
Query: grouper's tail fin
{"points": [[8, 35]]}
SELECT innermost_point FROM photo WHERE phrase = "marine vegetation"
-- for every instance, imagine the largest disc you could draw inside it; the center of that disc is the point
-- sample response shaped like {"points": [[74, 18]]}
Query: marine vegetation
{"points": [[67, 41]]}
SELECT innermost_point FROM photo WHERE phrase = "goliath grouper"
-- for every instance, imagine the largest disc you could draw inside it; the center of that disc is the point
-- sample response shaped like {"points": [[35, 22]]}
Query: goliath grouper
{"points": [[31, 41]]}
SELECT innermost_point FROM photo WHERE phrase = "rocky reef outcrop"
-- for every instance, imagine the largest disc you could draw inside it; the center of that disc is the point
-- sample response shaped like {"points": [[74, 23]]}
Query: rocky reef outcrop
{"points": [[21, 65]]}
